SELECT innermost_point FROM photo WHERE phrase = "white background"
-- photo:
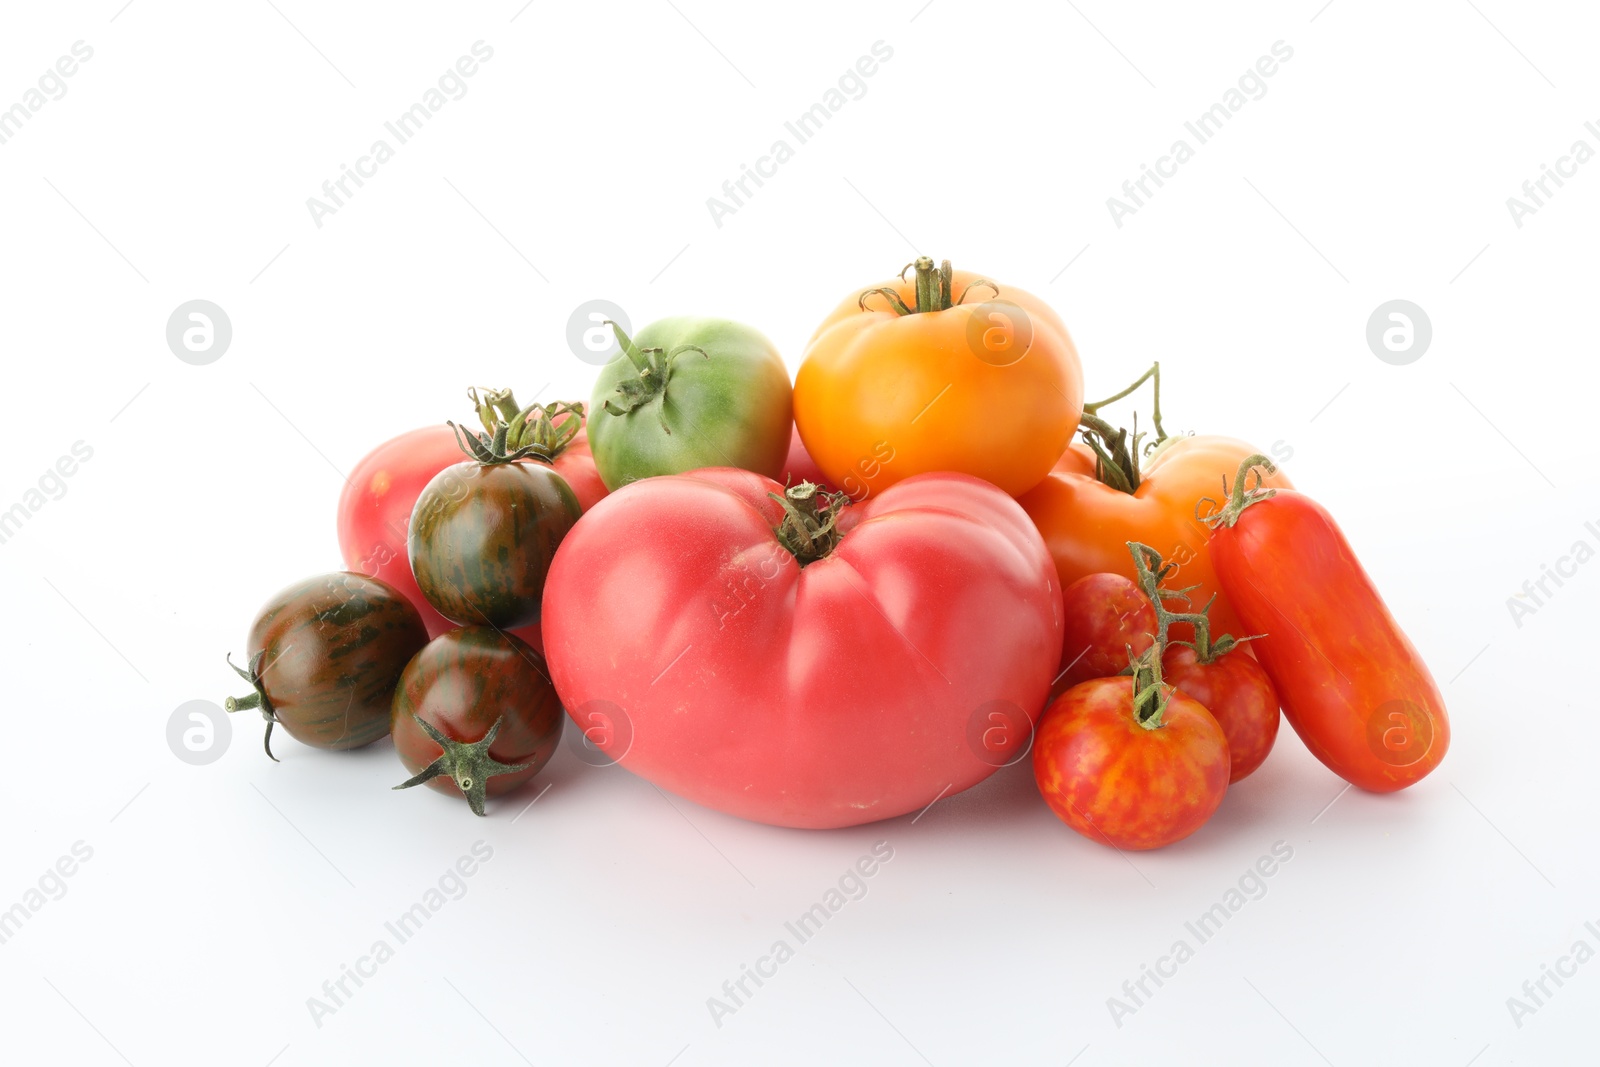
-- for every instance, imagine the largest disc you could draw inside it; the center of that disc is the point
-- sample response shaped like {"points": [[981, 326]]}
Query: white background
{"points": [[220, 897]]}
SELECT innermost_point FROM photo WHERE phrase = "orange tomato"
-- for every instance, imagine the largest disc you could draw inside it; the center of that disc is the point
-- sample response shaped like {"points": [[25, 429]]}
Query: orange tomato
{"points": [[949, 373], [1087, 524]]}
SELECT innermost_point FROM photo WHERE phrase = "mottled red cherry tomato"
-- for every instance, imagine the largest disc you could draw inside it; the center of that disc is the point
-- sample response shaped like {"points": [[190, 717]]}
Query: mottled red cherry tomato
{"points": [[1126, 781], [1239, 695]]}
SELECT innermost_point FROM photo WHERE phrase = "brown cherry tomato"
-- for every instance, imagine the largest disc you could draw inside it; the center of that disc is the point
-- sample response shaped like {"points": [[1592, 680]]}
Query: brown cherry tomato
{"points": [[483, 534], [323, 658], [475, 714]]}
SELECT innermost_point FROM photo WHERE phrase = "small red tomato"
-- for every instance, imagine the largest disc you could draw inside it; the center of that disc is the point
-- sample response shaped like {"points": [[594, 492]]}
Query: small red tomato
{"points": [[375, 510], [475, 714], [1237, 693], [1105, 614], [1124, 782]]}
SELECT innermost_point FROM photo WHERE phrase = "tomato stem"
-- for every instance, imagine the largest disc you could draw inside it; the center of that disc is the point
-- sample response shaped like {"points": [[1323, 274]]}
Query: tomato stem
{"points": [[1243, 495], [1117, 453], [1150, 693], [255, 699], [810, 526], [932, 289], [467, 763], [1151, 571], [547, 429]]}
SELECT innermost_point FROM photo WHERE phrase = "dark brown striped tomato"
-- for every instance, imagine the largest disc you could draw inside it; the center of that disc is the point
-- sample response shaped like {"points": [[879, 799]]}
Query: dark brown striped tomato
{"points": [[482, 537], [475, 714], [324, 656]]}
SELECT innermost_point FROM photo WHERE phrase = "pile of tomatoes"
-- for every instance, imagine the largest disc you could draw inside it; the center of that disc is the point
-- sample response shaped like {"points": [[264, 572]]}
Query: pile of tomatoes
{"points": [[831, 602]]}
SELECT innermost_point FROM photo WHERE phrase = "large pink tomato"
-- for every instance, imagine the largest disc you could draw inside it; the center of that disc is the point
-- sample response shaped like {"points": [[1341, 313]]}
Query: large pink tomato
{"points": [[789, 657]]}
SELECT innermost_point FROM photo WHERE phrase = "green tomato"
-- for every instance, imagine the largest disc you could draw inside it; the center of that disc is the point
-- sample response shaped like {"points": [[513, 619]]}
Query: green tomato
{"points": [[687, 393]]}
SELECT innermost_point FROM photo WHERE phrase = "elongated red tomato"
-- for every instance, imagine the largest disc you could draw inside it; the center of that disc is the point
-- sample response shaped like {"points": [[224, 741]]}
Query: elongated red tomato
{"points": [[689, 641], [1352, 684]]}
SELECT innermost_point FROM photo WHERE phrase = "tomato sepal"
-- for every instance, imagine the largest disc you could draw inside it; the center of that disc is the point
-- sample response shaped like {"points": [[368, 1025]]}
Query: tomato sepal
{"points": [[655, 371], [1243, 495], [544, 430], [256, 699], [810, 527], [467, 763]]}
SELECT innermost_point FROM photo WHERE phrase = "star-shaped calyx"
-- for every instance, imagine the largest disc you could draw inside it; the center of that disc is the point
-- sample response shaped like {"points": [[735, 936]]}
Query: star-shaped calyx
{"points": [[468, 763], [257, 699]]}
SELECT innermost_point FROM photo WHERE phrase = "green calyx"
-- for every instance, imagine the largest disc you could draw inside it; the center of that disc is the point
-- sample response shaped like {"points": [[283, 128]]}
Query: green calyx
{"points": [[1118, 454], [468, 764], [933, 289], [810, 526], [1245, 494], [490, 451], [654, 367], [545, 429], [256, 699]]}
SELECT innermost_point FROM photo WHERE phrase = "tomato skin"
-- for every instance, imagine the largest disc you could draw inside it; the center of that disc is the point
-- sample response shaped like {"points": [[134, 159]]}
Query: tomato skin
{"points": [[482, 538], [1237, 692], [1087, 524], [825, 696], [332, 648], [461, 683], [576, 465], [1120, 784], [1105, 614], [375, 506], [1352, 684], [375, 510], [800, 467], [914, 388]]}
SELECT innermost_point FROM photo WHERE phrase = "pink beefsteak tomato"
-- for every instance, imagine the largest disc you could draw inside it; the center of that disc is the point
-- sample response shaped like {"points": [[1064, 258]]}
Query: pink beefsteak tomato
{"points": [[786, 656]]}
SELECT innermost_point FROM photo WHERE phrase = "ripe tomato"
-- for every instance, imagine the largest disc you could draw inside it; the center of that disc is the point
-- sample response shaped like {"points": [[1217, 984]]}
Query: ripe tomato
{"points": [[1123, 782], [475, 715], [483, 535], [940, 372], [1238, 694], [381, 492], [798, 660], [1088, 523], [324, 655], [375, 510], [1352, 684], [1106, 615]]}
